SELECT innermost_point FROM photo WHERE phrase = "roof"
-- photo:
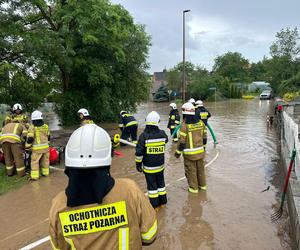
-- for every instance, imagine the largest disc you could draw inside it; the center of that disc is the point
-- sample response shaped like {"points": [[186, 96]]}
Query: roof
{"points": [[159, 76], [260, 83]]}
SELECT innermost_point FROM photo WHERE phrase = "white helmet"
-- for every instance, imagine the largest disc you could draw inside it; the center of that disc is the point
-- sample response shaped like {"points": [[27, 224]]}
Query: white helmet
{"points": [[153, 119], [17, 106], [123, 112], [199, 103], [188, 109], [173, 105], [192, 100], [84, 112], [88, 147], [36, 115]]}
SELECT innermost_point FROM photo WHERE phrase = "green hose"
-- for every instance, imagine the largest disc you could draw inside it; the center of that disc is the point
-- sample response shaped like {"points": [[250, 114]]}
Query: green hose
{"points": [[209, 127], [212, 133], [174, 134]]}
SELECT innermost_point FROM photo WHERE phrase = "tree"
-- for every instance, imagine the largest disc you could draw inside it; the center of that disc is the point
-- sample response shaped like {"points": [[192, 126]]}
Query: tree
{"points": [[174, 75], [18, 85], [285, 61], [92, 48], [233, 66], [161, 95], [258, 71], [286, 44]]}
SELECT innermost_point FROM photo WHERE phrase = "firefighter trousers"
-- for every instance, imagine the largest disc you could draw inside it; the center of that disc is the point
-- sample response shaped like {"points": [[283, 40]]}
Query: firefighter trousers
{"points": [[130, 132], [13, 154], [156, 189], [195, 174], [37, 160]]}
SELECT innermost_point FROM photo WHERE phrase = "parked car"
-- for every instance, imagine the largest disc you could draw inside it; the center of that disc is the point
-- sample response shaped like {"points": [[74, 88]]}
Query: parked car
{"points": [[266, 95]]}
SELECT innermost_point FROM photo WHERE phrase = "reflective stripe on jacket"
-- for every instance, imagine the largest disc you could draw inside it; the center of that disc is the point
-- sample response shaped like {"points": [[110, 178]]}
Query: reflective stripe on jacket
{"points": [[124, 220], [127, 120], [151, 150], [203, 114], [40, 136], [16, 118], [191, 140], [12, 132], [174, 119]]}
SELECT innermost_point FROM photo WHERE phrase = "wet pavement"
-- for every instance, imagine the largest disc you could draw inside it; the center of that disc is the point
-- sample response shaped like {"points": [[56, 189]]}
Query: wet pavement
{"points": [[231, 214]]}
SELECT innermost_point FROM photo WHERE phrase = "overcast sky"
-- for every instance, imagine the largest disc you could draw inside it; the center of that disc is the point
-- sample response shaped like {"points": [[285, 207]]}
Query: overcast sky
{"points": [[213, 27]]}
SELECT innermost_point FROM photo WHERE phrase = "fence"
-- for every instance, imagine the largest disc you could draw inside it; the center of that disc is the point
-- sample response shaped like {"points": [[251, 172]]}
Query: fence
{"points": [[290, 135]]}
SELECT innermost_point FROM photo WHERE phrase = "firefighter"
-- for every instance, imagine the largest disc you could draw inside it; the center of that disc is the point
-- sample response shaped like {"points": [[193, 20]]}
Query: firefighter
{"points": [[85, 117], [97, 211], [150, 159], [201, 112], [13, 134], [174, 120], [128, 126], [38, 139], [192, 142], [17, 115]]}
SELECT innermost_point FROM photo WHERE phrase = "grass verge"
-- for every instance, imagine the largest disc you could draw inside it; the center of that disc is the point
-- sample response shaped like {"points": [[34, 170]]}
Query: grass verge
{"points": [[10, 183]]}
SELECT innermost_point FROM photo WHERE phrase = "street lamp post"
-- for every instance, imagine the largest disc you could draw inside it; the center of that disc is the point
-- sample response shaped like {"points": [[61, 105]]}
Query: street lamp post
{"points": [[183, 58]]}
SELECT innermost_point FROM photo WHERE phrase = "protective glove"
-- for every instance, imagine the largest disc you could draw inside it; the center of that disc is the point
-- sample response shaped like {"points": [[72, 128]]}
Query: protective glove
{"points": [[139, 167]]}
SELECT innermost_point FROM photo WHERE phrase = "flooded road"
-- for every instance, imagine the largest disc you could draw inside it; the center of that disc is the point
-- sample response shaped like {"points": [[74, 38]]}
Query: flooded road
{"points": [[231, 214]]}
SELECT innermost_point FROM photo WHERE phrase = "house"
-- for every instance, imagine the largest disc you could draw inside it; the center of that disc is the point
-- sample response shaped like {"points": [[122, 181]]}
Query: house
{"points": [[259, 85], [158, 78]]}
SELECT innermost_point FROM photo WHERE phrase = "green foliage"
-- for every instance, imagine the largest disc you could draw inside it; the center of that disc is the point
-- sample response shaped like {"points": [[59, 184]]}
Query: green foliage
{"points": [[231, 71], [161, 95], [258, 71], [284, 66], [232, 66], [92, 48], [199, 87], [286, 44], [174, 75], [19, 86]]}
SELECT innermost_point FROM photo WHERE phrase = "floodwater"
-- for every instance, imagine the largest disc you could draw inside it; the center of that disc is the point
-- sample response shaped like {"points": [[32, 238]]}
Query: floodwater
{"points": [[231, 214]]}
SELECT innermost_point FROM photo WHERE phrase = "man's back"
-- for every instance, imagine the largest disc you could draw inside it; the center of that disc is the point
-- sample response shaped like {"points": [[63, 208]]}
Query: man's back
{"points": [[125, 217]]}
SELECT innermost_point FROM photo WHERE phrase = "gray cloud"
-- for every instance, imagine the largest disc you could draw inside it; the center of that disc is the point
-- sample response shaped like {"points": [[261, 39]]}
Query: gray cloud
{"points": [[213, 27]]}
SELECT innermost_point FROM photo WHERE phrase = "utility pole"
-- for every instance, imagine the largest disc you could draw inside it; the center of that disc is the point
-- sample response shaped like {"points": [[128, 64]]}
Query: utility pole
{"points": [[183, 58]]}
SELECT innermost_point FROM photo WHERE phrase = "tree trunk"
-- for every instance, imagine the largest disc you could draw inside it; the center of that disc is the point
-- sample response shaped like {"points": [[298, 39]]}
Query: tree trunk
{"points": [[65, 77]]}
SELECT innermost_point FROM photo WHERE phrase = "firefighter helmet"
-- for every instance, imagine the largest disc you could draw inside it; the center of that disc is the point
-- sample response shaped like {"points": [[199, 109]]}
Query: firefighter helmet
{"points": [[123, 112], [153, 118], [84, 112], [199, 103], [173, 105], [36, 115], [88, 147], [188, 109], [17, 106], [192, 100]]}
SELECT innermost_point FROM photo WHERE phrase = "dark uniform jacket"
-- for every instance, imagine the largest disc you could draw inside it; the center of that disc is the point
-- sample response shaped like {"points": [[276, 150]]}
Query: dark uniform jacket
{"points": [[174, 119], [150, 149], [126, 120], [203, 114]]}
